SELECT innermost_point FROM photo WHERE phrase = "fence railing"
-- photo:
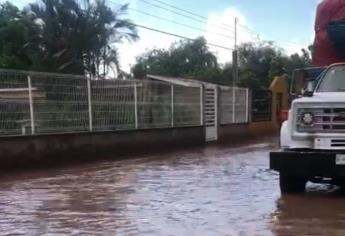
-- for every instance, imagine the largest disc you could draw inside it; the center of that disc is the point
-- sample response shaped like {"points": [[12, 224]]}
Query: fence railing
{"points": [[34, 103], [261, 105], [234, 105], [43, 103]]}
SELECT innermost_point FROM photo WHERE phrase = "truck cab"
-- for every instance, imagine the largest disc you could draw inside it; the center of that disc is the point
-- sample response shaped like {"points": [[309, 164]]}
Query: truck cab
{"points": [[312, 139]]}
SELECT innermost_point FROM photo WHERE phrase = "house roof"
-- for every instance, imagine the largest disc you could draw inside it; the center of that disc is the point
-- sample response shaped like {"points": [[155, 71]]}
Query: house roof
{"points": [[180, 81]]}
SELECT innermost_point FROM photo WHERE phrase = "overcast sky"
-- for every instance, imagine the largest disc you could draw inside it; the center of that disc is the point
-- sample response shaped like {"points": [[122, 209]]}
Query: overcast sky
{"points": [[289, 23]]}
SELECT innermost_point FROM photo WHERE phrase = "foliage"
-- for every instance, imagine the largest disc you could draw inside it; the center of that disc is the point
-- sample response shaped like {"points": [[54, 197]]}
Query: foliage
{"points": [[12, 38], [182, 58], [63, 36], [217, 75], [258, 63], [255, 62]]}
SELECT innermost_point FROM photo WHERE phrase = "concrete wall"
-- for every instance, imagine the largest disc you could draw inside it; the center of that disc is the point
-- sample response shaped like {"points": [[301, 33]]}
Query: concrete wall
{"points": [[233, 133], [24, 151], [47, 149], [263, 128]]}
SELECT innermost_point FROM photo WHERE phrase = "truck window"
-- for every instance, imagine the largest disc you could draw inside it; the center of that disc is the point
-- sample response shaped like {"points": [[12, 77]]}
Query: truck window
{"points": [[333, 80]]}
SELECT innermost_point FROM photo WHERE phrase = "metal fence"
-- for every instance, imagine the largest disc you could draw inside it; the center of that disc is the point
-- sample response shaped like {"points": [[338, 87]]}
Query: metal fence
{"points": [[261, 105], [42, 103], [234, 105], [46, 103]]}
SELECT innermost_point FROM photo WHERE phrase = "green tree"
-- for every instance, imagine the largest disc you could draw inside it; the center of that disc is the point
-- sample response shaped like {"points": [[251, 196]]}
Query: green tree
{"points": [[183, 58], [63, 36], [255, 63], [13, 40], [259, 64], [139, 70], [76, 39], [217, 75]]}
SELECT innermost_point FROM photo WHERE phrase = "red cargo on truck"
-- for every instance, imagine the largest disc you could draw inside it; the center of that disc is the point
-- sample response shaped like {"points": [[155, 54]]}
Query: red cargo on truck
{"points": [[325, 51]]}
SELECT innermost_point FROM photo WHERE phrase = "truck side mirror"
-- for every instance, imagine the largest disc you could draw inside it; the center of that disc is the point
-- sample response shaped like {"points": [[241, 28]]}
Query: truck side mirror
{"points": [[310, 88]]}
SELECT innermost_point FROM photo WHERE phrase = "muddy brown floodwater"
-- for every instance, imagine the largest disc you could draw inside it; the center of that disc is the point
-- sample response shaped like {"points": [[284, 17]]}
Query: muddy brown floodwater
{"points": [[209, 191]]}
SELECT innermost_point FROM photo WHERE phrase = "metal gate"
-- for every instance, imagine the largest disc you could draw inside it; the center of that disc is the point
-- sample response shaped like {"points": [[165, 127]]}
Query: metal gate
{"points": [[211, 111]]}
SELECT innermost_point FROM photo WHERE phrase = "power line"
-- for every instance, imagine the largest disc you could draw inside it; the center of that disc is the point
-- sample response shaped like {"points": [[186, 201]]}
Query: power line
{"points": [[190, 12], [249, 30], [244, 28], [184, 15], [204, 20], [178, 23], [180, 9], [175, 22], [180, 36]]}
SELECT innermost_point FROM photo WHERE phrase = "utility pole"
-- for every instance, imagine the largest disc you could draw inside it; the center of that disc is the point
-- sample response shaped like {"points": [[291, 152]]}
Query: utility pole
{"points": [[236, 21], [235, 58]]}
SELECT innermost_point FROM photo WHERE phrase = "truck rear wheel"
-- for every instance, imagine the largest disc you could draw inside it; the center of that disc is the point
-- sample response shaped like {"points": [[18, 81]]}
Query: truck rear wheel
{"points": [[291, 183]]}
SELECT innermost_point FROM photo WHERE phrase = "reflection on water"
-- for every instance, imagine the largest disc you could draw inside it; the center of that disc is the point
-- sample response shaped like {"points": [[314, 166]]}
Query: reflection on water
{"points": [[211, 191], [321, 211]]}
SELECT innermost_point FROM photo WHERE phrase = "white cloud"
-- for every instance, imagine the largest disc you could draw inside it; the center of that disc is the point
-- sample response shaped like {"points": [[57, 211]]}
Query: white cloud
{"points": [[148, 41], [245, 34], [216, 32], [220, 23]]}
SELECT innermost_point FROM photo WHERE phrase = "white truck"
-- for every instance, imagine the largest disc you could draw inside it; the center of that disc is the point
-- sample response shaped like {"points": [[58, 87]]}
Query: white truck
{"points": [[313, 138]]}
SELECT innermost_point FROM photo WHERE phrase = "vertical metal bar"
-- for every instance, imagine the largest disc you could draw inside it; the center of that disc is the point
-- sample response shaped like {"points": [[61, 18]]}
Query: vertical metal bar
{"points": [[216, 107], [201, 105], [250, 105], [89, 103], [233, 104], [172, 105], [135, 105], [32, 121], [247, 105], [23, 130]]}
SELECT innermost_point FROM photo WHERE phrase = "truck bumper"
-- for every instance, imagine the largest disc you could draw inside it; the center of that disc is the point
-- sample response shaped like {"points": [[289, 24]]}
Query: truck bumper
{"points": [[307, 163]]}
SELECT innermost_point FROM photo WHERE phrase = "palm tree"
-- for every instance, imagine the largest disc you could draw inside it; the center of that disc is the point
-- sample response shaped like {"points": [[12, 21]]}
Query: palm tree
{"points": [[111, 62], [75, 38], [120, 30], [14, 52], [111, 29]]}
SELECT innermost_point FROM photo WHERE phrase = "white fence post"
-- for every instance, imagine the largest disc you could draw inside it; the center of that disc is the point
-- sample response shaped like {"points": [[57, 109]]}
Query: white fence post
{"points": [[89, 103], [201, 105], [216, 107], [233, 105], [172, 105], [135, 105], [32, 121], [247, 105]]}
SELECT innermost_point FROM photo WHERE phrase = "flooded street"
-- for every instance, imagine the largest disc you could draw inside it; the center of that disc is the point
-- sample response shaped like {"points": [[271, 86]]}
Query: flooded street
{"points": [[209, 191]]}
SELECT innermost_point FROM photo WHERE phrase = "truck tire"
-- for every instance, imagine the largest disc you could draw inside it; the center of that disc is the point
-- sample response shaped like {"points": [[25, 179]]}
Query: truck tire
{"points": [[291, 183]]}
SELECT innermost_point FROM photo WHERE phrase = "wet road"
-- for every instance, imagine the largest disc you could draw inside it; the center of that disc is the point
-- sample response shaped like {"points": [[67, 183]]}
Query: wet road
{"points": [[209, 191]]}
